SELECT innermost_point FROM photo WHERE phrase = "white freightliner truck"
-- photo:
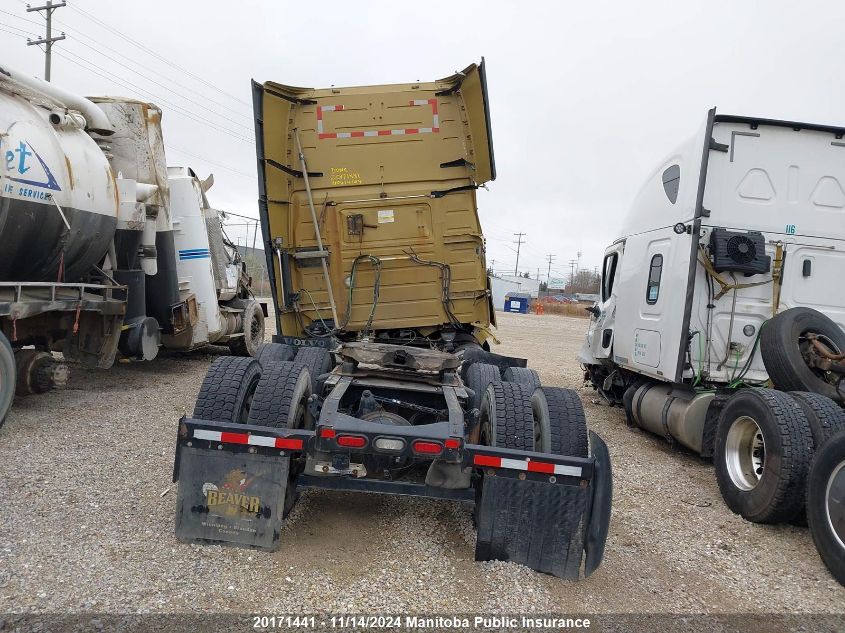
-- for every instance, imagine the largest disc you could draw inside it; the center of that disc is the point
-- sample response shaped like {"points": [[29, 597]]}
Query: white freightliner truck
{"points": [[720, 323], [104, 249]]}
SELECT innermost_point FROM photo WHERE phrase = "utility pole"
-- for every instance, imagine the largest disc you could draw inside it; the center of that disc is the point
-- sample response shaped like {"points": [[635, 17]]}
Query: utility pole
{"points": [[549, 274], [48, 38], [518, 244], [572, 264]]}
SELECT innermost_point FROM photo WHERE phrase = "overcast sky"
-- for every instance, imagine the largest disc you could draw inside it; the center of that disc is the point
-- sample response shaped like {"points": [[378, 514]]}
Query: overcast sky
{"points": [[585, 97]]}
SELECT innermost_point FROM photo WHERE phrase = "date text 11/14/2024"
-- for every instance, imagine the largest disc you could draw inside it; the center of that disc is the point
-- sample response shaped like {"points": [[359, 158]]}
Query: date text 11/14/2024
{"points": [[306, 622]]}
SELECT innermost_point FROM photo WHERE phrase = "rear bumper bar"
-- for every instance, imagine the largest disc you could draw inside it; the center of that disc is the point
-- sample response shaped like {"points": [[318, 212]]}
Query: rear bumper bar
{"points": [[538, 509]]}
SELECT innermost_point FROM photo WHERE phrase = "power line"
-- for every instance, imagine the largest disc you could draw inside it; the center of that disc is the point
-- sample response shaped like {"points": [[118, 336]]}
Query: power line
{"points": [[49, 39], [21, 18], [77, 33], [160, 85], [518, 245], [11, 32], [82, 63], [151, 52], [209, 161]]}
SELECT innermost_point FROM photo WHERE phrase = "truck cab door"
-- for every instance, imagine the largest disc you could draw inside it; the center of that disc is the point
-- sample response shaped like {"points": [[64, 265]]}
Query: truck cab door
{"points": [[600, 335]]}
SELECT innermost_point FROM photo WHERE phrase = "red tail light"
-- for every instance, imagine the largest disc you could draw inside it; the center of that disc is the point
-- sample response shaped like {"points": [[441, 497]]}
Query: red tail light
{"points": [[352, 441], [453, 443], [427, 448], [327, 433]]}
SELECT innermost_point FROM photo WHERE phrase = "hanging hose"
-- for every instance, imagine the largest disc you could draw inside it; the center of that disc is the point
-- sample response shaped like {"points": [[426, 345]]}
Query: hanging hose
{"points": [[376, 262], [445, 279]]}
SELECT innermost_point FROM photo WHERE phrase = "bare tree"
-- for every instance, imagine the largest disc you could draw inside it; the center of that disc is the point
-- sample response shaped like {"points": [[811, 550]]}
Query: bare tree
{"points": [[585, 281]]}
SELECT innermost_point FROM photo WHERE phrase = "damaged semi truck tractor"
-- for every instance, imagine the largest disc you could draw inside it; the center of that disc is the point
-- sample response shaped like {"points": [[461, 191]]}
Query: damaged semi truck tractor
{"points": [[379, 379], [721, 318]]}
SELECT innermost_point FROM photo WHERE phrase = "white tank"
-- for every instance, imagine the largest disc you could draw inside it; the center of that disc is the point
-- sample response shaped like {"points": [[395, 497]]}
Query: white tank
{"points": [[58, 197]]}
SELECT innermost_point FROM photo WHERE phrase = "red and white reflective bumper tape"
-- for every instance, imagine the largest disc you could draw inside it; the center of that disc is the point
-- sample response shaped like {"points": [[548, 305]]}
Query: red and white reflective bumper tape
{"points": [[435, 123], [528, 465], [247, 438]]}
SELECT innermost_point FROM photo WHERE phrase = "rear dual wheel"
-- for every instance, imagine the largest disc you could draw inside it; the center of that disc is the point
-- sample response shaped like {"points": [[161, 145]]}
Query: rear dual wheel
{"points": [[228, 389], [544, 420], [762, 454], [239, 390], [826, 505]]}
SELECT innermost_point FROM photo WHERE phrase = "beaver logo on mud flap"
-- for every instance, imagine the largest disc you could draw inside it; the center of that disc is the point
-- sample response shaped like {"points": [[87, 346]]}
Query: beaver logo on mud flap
{"points": [[232, 498]]}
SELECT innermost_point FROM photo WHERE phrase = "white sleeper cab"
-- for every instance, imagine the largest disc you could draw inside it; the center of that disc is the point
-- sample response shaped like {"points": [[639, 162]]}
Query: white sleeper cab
{"points": [[721, 322]]}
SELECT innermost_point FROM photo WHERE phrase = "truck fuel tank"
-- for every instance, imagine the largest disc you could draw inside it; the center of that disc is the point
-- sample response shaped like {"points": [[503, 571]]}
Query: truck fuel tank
{"points": [[675, 413]]}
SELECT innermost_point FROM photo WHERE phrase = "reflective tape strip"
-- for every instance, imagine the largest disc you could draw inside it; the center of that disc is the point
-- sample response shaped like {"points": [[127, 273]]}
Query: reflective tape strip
{"points": [[435, 127], [527, 465], [246, 438]]}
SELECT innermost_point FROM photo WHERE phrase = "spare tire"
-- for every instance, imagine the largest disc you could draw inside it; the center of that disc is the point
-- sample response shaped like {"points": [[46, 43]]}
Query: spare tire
{"points": [[762, 455], [785, 348], [826, 505], [8, 377]]}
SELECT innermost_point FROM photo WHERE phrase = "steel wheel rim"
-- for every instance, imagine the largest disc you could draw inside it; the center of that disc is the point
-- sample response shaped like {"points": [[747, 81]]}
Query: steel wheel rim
{"points": [[834, 503], [745, 453]]}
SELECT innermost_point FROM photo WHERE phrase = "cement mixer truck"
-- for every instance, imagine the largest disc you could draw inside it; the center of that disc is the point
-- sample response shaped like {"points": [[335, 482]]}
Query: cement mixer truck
{"points": [[104, 250]]}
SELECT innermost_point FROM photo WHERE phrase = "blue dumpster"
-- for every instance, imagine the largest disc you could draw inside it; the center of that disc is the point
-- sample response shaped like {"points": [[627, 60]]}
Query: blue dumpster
{"points": [[516, 303]]}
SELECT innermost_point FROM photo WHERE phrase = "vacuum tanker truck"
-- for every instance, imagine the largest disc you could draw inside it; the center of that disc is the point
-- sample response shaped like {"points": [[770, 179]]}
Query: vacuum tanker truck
{"points": [[104, 250]]}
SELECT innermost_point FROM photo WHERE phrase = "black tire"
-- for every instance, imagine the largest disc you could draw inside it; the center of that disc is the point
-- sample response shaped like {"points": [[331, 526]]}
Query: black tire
{"points": [[826, 504], [507, 418], [752, 417], [281, 398], [281, 401], [318, 360], [523, 376], [227, 390], [274, 353], [253, 327], [478, 377], [8, 377], [560, 417], [825, 417], [781, 343], [474, 355]]}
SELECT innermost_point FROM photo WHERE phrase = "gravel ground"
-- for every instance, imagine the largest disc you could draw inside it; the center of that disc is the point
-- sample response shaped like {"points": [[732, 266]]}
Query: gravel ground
{"points": [[86, 521]]}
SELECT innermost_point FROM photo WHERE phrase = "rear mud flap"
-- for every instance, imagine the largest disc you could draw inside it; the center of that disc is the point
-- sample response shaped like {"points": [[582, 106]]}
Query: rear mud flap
{"points": [[230, 498], [547, 526]]}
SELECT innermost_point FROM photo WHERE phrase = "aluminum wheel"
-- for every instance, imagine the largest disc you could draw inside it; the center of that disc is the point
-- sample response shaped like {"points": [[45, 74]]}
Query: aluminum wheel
{"points": [[835, 503], [745, 453]]}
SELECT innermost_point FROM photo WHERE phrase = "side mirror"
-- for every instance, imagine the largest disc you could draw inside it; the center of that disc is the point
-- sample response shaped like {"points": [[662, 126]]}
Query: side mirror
{"points": [[594, 310]]}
